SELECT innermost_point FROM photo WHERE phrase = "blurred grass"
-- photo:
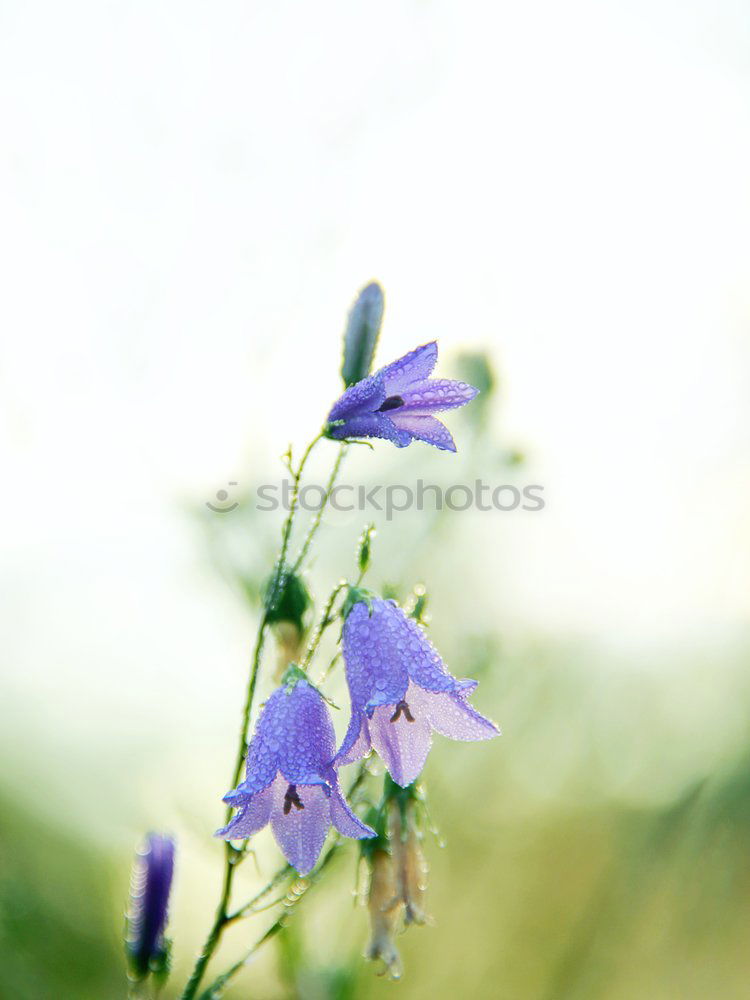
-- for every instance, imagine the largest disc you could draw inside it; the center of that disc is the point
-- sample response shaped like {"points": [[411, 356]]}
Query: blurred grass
{"points": [[558, 889]]}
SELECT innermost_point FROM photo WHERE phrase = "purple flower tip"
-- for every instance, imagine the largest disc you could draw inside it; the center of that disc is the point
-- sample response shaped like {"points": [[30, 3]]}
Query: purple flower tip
{"points": [[290, 782], [401, 691], [150, 885], [398, 402]]}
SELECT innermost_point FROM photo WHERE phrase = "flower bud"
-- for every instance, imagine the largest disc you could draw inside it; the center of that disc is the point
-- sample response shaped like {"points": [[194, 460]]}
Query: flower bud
{"points": [[383, 913], [382, 901], [364, 549], [408, 860], [361, 335], [151, 880], [287, 612]]}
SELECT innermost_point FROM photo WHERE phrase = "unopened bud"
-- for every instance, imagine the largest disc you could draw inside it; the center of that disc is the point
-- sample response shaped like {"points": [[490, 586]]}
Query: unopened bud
{"points": [[147, 948], [361, 335], [287, 606]]}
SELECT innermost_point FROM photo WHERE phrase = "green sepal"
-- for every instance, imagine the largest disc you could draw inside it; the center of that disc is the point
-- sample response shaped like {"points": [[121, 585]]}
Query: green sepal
{"points": [[293, 675], [290, 603], [161, 965], [376, 818], [401, 797], [358, 595], [420, 604]]}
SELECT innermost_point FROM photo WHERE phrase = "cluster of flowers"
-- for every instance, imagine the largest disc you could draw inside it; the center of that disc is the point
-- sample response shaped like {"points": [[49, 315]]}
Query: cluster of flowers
{"points": [[400, 690]]}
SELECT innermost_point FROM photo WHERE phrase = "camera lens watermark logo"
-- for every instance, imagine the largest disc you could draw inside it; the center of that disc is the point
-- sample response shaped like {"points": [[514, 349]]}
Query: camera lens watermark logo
{"points": [[222, 496]]}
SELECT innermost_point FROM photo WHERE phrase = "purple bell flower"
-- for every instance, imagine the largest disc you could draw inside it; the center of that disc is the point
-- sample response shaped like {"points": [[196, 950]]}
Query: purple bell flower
{"points": [[397, 403], [150, 884], [290, 780], [400, 691]]}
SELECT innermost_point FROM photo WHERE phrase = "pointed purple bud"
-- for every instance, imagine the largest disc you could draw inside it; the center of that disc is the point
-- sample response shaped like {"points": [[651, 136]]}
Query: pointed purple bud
{"points": [[401, 691], [397, 403], [361, 336], [150, 885], [290, 782]]}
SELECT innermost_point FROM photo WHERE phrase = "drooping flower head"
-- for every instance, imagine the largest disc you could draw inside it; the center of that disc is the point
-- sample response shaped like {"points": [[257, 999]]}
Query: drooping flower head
{"points": [[290, 781], [397, 403], [400, 690], [150, 884]]}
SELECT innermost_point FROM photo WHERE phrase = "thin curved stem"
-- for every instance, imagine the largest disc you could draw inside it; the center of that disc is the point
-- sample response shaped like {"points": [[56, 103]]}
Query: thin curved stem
{"points": [[315, 524], [323, 623], [232, 856]]}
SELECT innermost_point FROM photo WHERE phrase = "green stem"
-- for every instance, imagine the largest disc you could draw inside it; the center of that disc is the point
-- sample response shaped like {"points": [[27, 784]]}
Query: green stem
{"points": [[325, 621], [233, 856], [319, 512]]}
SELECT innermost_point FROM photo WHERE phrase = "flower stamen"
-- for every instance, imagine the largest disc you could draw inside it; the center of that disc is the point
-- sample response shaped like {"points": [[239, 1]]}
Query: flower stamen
{"points": [[402, 707], [392, 403], [292, 799]]}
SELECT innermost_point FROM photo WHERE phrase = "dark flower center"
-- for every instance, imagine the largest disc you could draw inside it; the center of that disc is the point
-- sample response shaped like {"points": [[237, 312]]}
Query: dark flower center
{"points": [[402, 707], [292, 799], [392, 403]]}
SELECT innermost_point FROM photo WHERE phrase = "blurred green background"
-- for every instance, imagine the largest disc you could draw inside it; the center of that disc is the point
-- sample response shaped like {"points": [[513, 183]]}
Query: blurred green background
{"points": [[192, 197]]}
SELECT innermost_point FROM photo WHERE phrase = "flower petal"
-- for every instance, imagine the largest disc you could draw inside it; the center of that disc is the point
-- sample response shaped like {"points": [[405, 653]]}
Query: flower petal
{"points": [[412, 367], [424, 664], [356, 742], [345, 820], [254, 815], [424, 428], [304, 734], [361, 398], [436, 394], [300, 833], [373, 646], [451, 715], [402, 745], [377, 425]]}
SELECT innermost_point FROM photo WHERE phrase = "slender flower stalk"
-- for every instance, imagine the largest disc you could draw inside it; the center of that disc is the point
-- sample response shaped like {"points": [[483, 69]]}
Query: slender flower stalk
{"points": [[318, 517], [293, 899], [400, 690], [233, 856]]}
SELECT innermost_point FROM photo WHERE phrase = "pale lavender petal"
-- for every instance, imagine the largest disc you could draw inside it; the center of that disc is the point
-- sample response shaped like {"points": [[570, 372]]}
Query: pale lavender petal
{"points": [[436, 394], [300, 833], [413, 367], [424, 428], [253, 816], [450, 715], [402, 745], [356, 742], [345, 820]]}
